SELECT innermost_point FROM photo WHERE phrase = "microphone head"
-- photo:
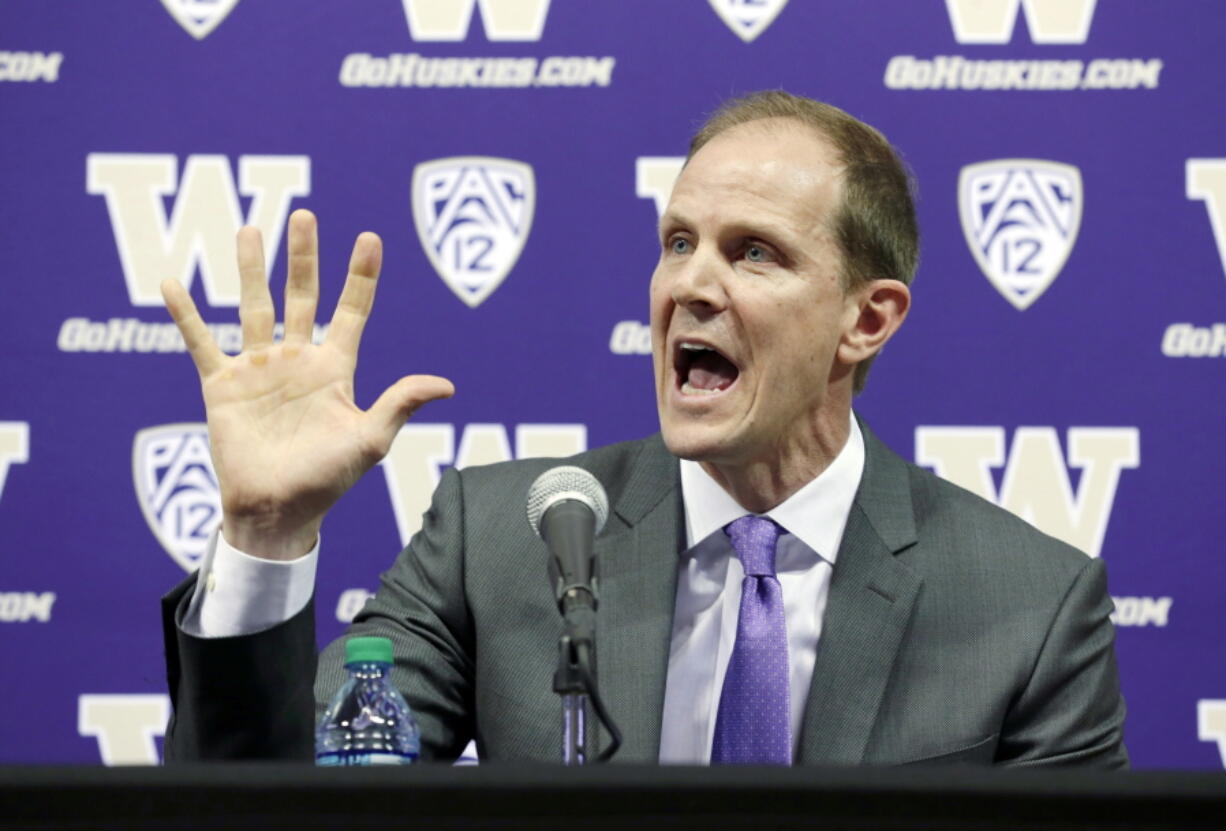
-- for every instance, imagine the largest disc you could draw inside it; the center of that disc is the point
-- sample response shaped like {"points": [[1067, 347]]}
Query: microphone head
{"points": [[566, 482]]}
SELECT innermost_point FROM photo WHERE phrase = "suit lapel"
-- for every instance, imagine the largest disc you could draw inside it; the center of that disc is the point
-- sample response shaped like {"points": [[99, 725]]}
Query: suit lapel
{"points": [[867, 612], [638, 586]]}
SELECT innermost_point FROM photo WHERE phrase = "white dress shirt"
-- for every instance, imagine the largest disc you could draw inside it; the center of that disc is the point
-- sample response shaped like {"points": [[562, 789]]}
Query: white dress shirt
{"points": [[238, 594], [709, 594]]}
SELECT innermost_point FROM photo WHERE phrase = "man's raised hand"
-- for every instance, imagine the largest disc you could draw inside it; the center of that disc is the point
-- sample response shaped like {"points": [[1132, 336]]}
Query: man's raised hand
{"points": [[286, 436]]}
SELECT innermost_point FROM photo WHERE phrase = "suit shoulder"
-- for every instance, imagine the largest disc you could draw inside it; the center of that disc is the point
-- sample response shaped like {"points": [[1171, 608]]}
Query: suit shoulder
{"points": [[610, 464], [966, 522]]}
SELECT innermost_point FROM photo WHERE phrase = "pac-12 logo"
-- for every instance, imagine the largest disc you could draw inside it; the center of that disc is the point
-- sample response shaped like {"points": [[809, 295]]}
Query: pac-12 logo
{"points": [[1020, 218], [177, 489], [748, 18], [199, 17], [473, 215]]}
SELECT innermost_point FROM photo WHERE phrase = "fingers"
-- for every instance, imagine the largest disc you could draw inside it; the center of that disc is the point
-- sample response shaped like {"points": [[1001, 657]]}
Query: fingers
{"points": [[358, 296], [401, 400], [302, 287], [255, 303], [200, 344]]}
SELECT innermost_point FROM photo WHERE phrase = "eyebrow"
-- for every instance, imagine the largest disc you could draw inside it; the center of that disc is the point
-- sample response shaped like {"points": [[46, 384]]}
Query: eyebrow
{"points": [[767, 232], [669, 217]]}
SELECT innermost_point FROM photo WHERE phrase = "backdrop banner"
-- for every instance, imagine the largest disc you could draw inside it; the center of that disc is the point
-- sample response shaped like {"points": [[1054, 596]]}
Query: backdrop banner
{"points": [[1069, 315]]}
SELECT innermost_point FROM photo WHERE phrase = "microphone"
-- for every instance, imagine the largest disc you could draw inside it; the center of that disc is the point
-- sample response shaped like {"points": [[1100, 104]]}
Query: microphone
{"points": [[567, 507]]}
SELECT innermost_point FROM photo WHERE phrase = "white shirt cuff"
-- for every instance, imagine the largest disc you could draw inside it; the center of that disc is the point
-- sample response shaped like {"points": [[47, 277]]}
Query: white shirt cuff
{"points": [[237, 594]]}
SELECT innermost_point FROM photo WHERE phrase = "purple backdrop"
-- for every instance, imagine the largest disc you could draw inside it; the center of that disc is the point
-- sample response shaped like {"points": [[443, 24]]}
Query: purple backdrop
{"points": [[1060, 357]]}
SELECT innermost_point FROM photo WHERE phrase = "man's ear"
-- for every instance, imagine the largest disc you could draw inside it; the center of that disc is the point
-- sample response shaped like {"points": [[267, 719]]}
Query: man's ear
{"points": [[875, 311]]}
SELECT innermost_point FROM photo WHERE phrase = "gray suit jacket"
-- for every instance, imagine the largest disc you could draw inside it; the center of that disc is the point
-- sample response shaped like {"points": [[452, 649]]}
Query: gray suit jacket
{"points": [[954, 632]]}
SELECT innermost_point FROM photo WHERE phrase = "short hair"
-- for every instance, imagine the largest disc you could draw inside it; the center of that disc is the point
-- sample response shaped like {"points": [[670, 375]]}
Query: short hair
{"points": [[875, 225]]}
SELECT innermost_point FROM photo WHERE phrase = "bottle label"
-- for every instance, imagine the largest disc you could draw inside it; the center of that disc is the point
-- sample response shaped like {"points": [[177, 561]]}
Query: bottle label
{"points": [[363, 757]]}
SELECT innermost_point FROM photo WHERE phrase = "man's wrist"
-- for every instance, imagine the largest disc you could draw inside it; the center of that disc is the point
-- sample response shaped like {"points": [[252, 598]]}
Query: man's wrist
{"points": [[262, 544]]}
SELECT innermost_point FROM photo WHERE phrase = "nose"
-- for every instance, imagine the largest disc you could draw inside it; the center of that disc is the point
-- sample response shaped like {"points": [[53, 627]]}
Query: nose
{"points": [[697, 283]]}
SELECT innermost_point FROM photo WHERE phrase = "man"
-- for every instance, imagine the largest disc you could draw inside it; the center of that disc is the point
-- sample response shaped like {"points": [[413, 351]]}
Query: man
{"points": [[790, 591]]}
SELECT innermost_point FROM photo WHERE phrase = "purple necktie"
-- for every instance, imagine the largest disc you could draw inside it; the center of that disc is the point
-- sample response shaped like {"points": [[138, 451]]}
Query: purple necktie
{"points": [[754, 725]]}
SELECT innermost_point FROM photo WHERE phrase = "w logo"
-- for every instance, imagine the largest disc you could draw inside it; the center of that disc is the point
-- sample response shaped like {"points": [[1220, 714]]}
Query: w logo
{"points": [[199, 233], [1020, 218], [414, 463], [449, 20], [177, 489], [1036, 484], [1211, 723], [473, 215], [993, 21], [654, 177], [1206, 180], [14, 446]]}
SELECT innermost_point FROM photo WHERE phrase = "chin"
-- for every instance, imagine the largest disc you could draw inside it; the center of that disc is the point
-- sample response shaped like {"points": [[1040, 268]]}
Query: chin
{"points": [[698, 443]]}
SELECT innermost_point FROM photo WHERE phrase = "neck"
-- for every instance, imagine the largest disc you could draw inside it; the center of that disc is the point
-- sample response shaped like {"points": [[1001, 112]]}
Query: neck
{"points": [[765, 481]]}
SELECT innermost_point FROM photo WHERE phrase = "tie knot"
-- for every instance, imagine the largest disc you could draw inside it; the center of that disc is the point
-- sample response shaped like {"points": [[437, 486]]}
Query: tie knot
{"points": [[753, 538]]}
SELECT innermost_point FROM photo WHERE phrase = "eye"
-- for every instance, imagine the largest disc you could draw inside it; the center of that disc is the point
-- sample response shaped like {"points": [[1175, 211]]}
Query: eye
{"points": [[679, 245], [756, 252]]}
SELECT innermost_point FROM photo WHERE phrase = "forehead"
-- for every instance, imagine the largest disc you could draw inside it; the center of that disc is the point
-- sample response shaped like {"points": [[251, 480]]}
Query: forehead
{"points": [[772, 170]]}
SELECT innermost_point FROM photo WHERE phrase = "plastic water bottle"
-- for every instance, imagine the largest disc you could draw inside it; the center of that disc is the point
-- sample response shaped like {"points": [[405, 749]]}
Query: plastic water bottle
{"points": [[368, 721]]}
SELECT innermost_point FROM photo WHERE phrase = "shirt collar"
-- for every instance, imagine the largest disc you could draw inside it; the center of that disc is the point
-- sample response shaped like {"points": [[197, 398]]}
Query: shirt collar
{"points": [[816, 514]]}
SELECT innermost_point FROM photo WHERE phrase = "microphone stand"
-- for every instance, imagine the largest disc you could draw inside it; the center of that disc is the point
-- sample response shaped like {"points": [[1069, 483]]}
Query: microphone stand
{"points": [[568, 527], [576, 668]]}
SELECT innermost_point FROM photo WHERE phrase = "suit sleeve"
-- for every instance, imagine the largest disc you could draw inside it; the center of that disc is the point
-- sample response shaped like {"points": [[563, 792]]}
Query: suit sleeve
{"points": [[258, 696], [246, 697], [1071, 712]]}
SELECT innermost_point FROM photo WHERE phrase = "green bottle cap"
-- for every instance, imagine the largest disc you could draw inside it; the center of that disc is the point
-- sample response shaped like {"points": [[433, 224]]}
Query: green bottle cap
{"points": [[359, 650]]}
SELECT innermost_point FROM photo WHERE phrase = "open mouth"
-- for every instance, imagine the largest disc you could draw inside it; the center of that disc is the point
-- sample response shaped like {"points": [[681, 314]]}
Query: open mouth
{"points": [[702, 370]]}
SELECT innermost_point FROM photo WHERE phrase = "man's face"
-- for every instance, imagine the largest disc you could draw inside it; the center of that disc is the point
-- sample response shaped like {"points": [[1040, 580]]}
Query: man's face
{"points": [[747, 310]]}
